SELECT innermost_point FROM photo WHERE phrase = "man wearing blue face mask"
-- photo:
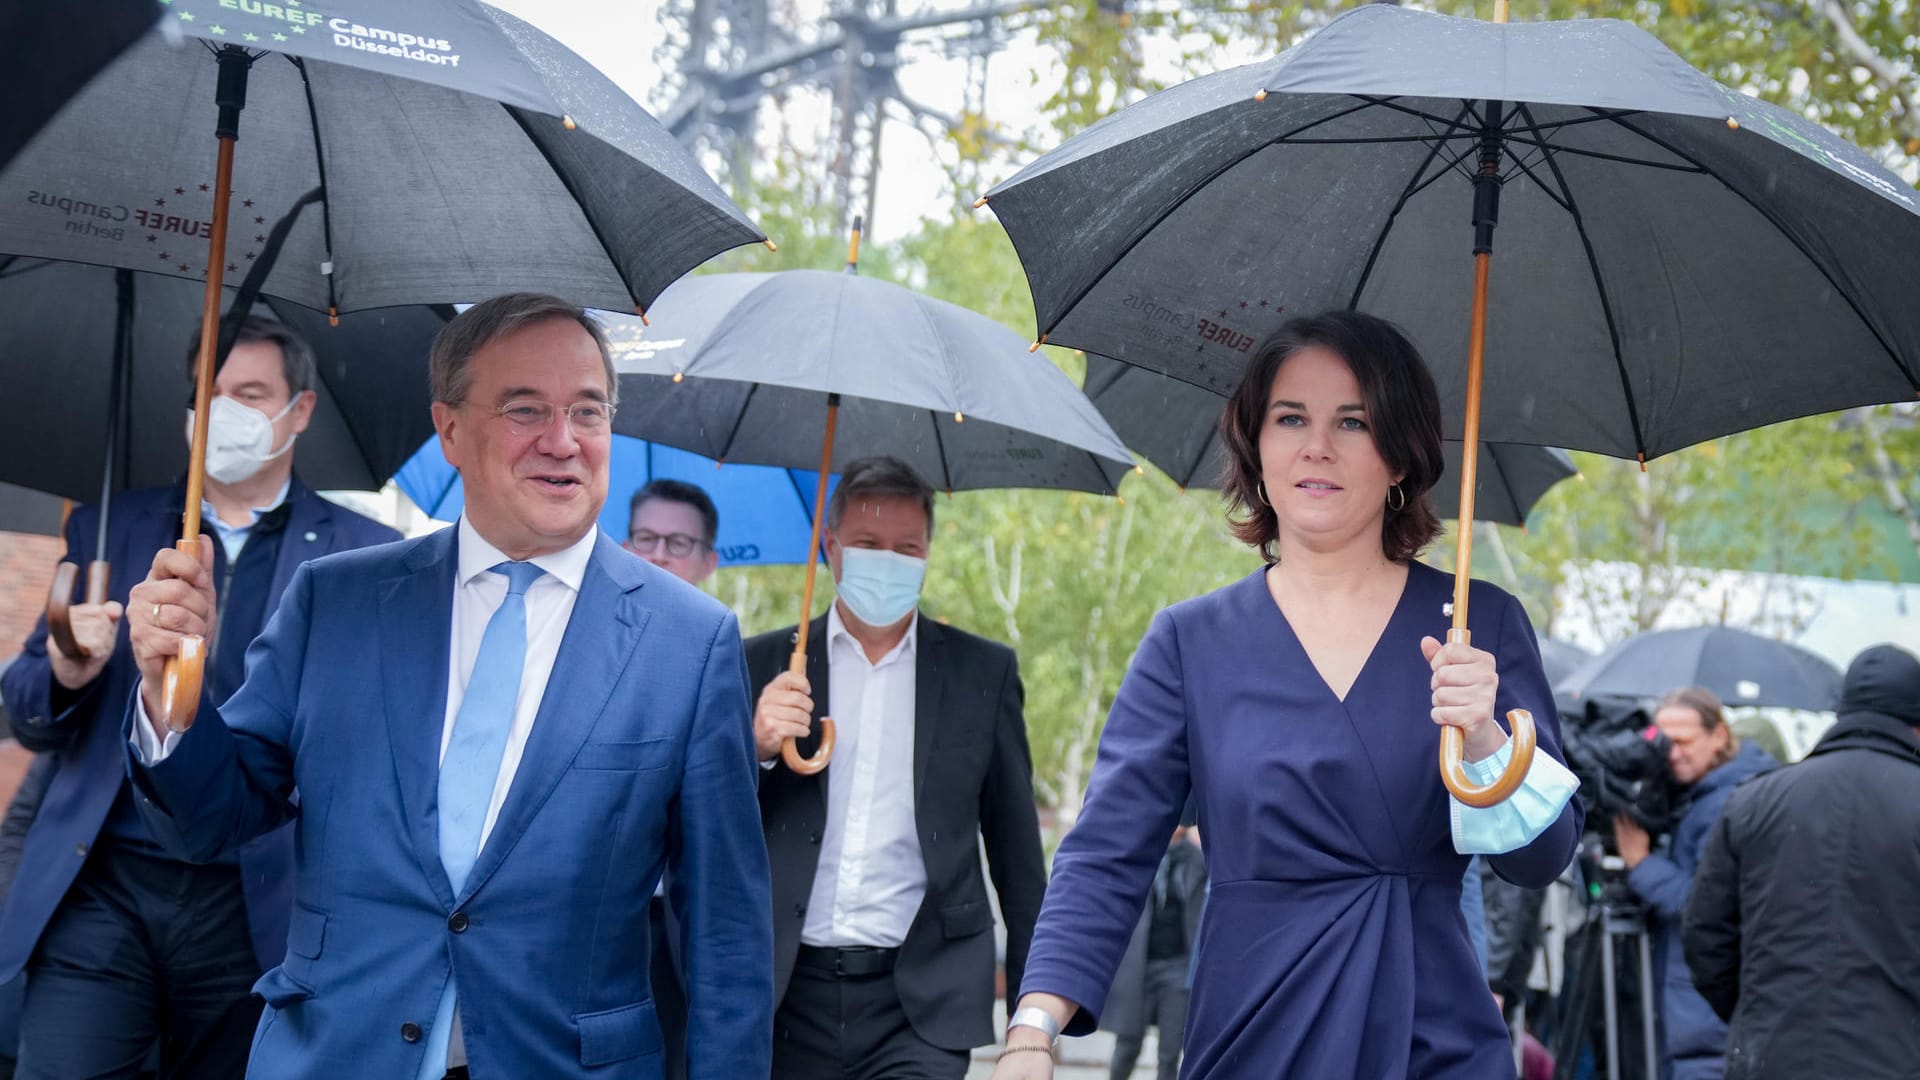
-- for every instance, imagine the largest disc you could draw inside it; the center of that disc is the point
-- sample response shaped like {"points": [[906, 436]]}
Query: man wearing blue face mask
{"points": [[883, 936], [120, 941]]}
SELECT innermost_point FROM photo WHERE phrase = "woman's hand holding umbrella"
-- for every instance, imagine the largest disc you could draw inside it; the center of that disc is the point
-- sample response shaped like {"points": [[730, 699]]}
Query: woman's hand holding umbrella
{"points": [[1464, 686]]}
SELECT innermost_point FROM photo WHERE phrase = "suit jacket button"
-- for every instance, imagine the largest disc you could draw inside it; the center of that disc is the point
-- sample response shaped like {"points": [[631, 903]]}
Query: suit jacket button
{"points": [[814, 839], [799, 911], [80, 850], [457, 922], [410, 1031]]}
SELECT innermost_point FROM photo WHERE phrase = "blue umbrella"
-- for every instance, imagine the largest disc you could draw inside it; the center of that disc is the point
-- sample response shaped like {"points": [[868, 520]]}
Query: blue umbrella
{"points": [[765, 512]]}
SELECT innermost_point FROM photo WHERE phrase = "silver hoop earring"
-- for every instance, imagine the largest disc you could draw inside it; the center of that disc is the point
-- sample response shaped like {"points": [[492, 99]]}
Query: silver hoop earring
{"points": [[1391, 505], [1260, 487]]}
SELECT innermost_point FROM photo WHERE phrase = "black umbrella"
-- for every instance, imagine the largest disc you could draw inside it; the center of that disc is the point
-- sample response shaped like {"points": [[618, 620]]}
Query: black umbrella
{"points": [[1679, 261], [36, 513], [462, 155], [79, 343], [810, 369], [1740, 668], [43, 62], [1176, 426], [1560, 659]]}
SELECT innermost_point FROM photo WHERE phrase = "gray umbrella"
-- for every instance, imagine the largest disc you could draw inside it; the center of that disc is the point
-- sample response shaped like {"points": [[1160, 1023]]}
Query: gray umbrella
{"points": [[809, 369], [468, 156], [1176, 426], [1679, 261], [1740, 668]]}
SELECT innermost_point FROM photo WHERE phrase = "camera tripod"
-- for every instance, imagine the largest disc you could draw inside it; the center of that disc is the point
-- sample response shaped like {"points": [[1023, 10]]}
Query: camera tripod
{"points": [[1616, 918]]}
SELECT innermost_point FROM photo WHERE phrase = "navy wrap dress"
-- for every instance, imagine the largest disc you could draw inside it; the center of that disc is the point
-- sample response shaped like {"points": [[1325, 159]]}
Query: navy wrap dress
{"points": [[1333, 944]]}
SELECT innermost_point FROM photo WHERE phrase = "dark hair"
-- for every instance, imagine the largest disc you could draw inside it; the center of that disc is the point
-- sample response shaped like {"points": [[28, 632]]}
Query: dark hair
{"points": [[1713, 716], [296, 356], [449, 365], [885, 477], [1403, 410], [681, 492]]}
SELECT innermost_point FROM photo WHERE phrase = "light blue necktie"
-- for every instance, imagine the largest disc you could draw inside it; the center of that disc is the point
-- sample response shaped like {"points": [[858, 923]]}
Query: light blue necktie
{"points": [[471, 765]]}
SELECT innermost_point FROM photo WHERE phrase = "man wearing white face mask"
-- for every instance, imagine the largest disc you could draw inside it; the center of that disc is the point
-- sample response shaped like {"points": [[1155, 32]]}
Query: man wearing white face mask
{"points": [[883, 935], [122, 942]]}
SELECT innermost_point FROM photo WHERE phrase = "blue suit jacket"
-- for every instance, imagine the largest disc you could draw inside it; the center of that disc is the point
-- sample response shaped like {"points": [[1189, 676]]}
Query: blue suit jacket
{"points": [[641, 756], [90, 760]]}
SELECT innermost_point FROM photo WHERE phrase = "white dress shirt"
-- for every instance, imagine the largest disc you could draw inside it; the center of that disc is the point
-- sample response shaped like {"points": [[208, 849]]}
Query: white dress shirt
{"points": [[870, 877], [476, 595]]}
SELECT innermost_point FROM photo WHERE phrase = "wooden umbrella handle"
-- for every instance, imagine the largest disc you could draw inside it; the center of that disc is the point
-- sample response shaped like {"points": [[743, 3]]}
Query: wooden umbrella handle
{"points": [[1453, 748], [789, 751], [59, 603], [181, 682]]}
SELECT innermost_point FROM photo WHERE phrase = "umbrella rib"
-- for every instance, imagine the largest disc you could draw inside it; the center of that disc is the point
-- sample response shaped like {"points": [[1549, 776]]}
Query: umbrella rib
{"points": [[1414, 187], [1506, 481], [320, 164], [1600, 286], [738, 419], [940, 447], [1622, 159], [1913, 379], [1545, 188], [566, 181], [1161, 218]]}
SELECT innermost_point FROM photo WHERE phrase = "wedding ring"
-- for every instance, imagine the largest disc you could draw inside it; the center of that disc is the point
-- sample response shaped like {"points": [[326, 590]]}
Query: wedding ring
{"points": [[156, 613]]}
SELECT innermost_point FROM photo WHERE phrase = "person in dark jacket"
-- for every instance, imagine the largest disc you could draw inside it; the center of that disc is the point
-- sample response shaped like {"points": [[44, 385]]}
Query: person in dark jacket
{"points": [[1803, 929], [1708, 759], [1150, 988]]}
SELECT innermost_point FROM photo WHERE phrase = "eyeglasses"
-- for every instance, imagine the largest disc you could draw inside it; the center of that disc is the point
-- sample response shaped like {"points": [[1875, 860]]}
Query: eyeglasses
{"points": [[531, 416], [679, 545]]}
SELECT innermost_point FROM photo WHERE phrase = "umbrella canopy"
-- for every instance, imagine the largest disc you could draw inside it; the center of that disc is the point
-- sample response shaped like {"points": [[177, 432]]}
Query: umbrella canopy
{"points": [[739, 368], [1560, 659], [766, 513], [44, 62], [462, 153], [24, 510], [1674, 260], [1740, 668], [1176, 426], [56, 355]]}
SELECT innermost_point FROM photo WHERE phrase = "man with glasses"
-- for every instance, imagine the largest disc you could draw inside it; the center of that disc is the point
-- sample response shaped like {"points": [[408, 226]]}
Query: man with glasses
{"points": [[501, 734], [125, 945], [673, 525]]}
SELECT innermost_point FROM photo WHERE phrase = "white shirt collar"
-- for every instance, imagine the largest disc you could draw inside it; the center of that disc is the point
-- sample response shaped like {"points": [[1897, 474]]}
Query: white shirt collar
{"points": [[837, 629], [568, 565]]}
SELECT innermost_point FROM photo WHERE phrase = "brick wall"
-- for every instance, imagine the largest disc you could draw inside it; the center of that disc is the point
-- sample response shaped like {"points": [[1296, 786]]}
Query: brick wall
{"points": [[26, 569]]}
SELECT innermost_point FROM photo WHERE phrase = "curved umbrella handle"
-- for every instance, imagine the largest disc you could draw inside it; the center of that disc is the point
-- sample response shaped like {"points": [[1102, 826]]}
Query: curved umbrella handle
{"points": [[59, 599], [180, 685], [1454, 774], [807, 766]]}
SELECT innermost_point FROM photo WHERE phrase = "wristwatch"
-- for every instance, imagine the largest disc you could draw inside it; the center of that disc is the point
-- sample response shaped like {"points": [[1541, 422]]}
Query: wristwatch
{"points": [[1038, 1018]]}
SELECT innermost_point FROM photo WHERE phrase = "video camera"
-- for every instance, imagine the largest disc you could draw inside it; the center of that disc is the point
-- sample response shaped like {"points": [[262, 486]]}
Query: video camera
{"points": [[1621, 762]]}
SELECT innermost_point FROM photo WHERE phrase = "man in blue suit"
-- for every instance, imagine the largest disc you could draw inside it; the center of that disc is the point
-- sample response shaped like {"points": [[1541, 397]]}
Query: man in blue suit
{"points": [[500, 735], [126, 946]]}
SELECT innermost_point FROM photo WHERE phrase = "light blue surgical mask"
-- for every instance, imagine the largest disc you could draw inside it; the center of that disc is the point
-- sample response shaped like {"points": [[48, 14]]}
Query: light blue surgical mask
{"points": [[880, 587]]}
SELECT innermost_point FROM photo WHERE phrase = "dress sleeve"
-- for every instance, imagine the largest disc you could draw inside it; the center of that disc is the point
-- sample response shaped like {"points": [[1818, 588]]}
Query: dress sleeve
{"points": [[1531, 836], [1104, 866]]}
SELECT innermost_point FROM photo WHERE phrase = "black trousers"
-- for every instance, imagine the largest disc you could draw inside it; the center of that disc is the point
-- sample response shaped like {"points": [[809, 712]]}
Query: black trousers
{"points": [[838, 1027], [143, 951], [1167, 995]]}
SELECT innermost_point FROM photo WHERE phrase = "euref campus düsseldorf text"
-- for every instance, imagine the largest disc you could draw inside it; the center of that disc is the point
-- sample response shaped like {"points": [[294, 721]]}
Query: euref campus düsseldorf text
{"points": [[373, 39]]}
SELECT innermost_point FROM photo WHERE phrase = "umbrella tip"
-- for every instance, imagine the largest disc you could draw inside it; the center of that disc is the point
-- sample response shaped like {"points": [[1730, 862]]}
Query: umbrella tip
{"points": [[1732, 124], [642, 312], [1139, 470], [719, 462], [1260, 96], [1119, 498], [1642, 458], [1035, 347], [771, 246], [333, 315], [679, 376], [979, 202], [959, 418], [567, 122]]}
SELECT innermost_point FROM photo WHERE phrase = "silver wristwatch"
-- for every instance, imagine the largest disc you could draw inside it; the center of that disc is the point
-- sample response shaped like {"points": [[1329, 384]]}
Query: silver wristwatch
{"points": [[1037, 1018]]}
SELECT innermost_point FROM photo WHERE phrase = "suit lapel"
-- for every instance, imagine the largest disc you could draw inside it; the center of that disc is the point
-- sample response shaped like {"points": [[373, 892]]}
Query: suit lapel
{"points": [[416, 620], [600, 639], [926, 702], [309, 534]]}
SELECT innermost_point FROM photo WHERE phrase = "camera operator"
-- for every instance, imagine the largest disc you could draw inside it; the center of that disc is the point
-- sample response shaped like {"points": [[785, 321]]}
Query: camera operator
{"points": [[1707, 760]]}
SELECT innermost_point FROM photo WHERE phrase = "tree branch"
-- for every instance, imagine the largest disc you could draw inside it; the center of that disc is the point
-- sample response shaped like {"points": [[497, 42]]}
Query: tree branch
{"points": [[1864, 54]]}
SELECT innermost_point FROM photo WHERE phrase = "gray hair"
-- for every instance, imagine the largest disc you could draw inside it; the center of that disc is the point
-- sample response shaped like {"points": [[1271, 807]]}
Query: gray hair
{"points": [[449, 366], [296, 356], [879, 477]]}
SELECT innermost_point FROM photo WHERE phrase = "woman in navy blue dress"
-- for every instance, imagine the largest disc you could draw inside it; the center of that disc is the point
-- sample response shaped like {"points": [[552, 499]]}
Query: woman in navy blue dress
{"points": [[1299, 706]]}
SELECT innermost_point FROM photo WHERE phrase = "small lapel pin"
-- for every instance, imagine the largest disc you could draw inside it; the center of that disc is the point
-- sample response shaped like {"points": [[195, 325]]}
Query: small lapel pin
{"points": [[312, 536], [1445, 609]]}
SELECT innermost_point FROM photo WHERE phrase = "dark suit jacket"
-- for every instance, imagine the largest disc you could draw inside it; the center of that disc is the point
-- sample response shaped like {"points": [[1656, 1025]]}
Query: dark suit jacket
{"points": [[84, 738], [1126, 1012], [968, 719]]}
